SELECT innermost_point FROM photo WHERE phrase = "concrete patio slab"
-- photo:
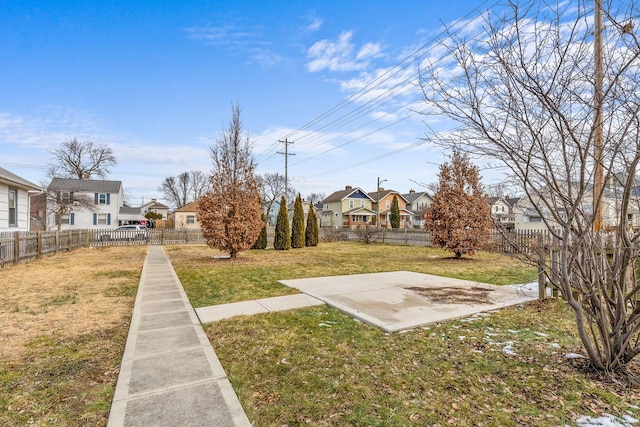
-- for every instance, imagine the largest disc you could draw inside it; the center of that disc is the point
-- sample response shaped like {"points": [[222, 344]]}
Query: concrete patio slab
{"points": [[401, 300]]}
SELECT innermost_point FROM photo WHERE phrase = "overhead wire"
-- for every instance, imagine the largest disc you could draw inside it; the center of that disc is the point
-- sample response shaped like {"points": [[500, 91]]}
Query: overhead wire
{"points": [[363, 109]]}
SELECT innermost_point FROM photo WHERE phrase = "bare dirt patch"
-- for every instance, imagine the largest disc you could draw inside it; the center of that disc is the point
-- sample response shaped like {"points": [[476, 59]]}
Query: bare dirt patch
{"points": [[453, 295]]}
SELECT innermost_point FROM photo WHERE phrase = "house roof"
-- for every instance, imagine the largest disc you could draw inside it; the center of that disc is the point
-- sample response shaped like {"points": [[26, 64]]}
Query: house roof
{"points": [[189, 207], [154, 204], [358, 210], [86, 185], [11, 178], [412, 197], [343, 194], [379, 195]]}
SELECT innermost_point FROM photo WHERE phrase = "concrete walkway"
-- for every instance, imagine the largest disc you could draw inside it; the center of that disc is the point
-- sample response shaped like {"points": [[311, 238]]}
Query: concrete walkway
{"points": [[170, 374]]}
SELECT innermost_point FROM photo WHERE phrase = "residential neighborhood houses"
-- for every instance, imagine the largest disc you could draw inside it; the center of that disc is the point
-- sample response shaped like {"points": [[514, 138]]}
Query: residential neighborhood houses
{"points": [[100, 204]]}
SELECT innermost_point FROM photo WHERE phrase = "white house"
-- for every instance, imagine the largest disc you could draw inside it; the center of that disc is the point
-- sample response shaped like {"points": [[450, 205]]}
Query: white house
{"points": [[101, 210], [418, 203], [14, 201]]}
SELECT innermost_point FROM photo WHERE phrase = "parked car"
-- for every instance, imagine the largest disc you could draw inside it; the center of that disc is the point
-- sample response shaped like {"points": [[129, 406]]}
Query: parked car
{"points": [[125, 232]]}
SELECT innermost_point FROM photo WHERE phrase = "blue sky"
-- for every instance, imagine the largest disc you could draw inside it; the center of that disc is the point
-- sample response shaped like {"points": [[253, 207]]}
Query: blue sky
{"points": [[156, 80]]}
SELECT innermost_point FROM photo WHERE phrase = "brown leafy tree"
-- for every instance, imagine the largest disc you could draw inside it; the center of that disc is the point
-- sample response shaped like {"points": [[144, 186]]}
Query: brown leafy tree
{"points": [[229, 212], [526, 93], [459, 217], [81, 160]]}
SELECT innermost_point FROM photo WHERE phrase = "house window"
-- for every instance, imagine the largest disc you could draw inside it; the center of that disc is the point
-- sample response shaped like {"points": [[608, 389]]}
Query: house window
{"points": [[387, 204], [362, 203], [65, 219], [191, 219], [350, 204], [102, 219], [13, 207], [102, 198]]}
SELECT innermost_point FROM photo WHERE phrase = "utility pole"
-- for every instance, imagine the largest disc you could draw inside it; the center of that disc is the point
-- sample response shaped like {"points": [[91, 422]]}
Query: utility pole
{"points": [[598, 147], [286, 167], [378, 201]]}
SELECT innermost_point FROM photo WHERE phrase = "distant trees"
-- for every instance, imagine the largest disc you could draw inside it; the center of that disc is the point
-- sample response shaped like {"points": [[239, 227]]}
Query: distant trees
{"points": [[230, 211], [315, 198], [282, 239], [185, 188], [311, 231], [394, 215], [272, 187], [459, 217], [81, 160], [297, 224]]}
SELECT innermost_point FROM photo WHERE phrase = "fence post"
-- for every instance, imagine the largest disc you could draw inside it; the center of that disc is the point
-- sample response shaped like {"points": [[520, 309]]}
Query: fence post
{"points": [[57, 242], [542, 287], [16, 247], [39, 244]]}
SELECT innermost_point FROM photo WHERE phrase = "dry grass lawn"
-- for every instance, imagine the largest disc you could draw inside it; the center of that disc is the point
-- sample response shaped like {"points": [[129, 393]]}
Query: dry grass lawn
{"points": [[64, 321]]}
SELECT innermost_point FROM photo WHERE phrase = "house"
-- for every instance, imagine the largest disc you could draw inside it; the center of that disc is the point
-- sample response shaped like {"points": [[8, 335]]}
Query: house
{"points": [[383, 200], [500, 211], [155, 207], [15, 205], [185, 217], [305, 209], [350, 207], [418, 203], [86, 204]]}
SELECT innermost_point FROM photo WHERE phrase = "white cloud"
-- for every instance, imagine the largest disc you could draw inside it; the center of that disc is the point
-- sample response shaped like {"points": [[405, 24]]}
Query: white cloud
{"points": [[314, 25], [338, 55]]}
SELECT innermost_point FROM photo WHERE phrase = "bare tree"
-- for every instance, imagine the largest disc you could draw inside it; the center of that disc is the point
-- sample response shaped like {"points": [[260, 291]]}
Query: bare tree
{"points": [[230, 212], [81, 160], [315, 198], [64, 199], [185, 188], [522, 94], [459, 217], [272, 188]]}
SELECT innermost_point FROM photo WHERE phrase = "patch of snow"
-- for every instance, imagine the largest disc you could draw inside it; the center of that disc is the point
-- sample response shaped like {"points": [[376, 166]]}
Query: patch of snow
{"points": [[508, 349], [477, 351], [554, 345], [462, 337], [540, 334], [606, 420], [513, 331], [573, 356], [284, 361], [324, 324], [405, 331]]}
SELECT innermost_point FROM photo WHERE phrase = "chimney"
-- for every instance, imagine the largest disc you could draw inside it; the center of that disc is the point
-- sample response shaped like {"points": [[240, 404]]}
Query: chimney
{"points": [[412, 191], [348, 187]]}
